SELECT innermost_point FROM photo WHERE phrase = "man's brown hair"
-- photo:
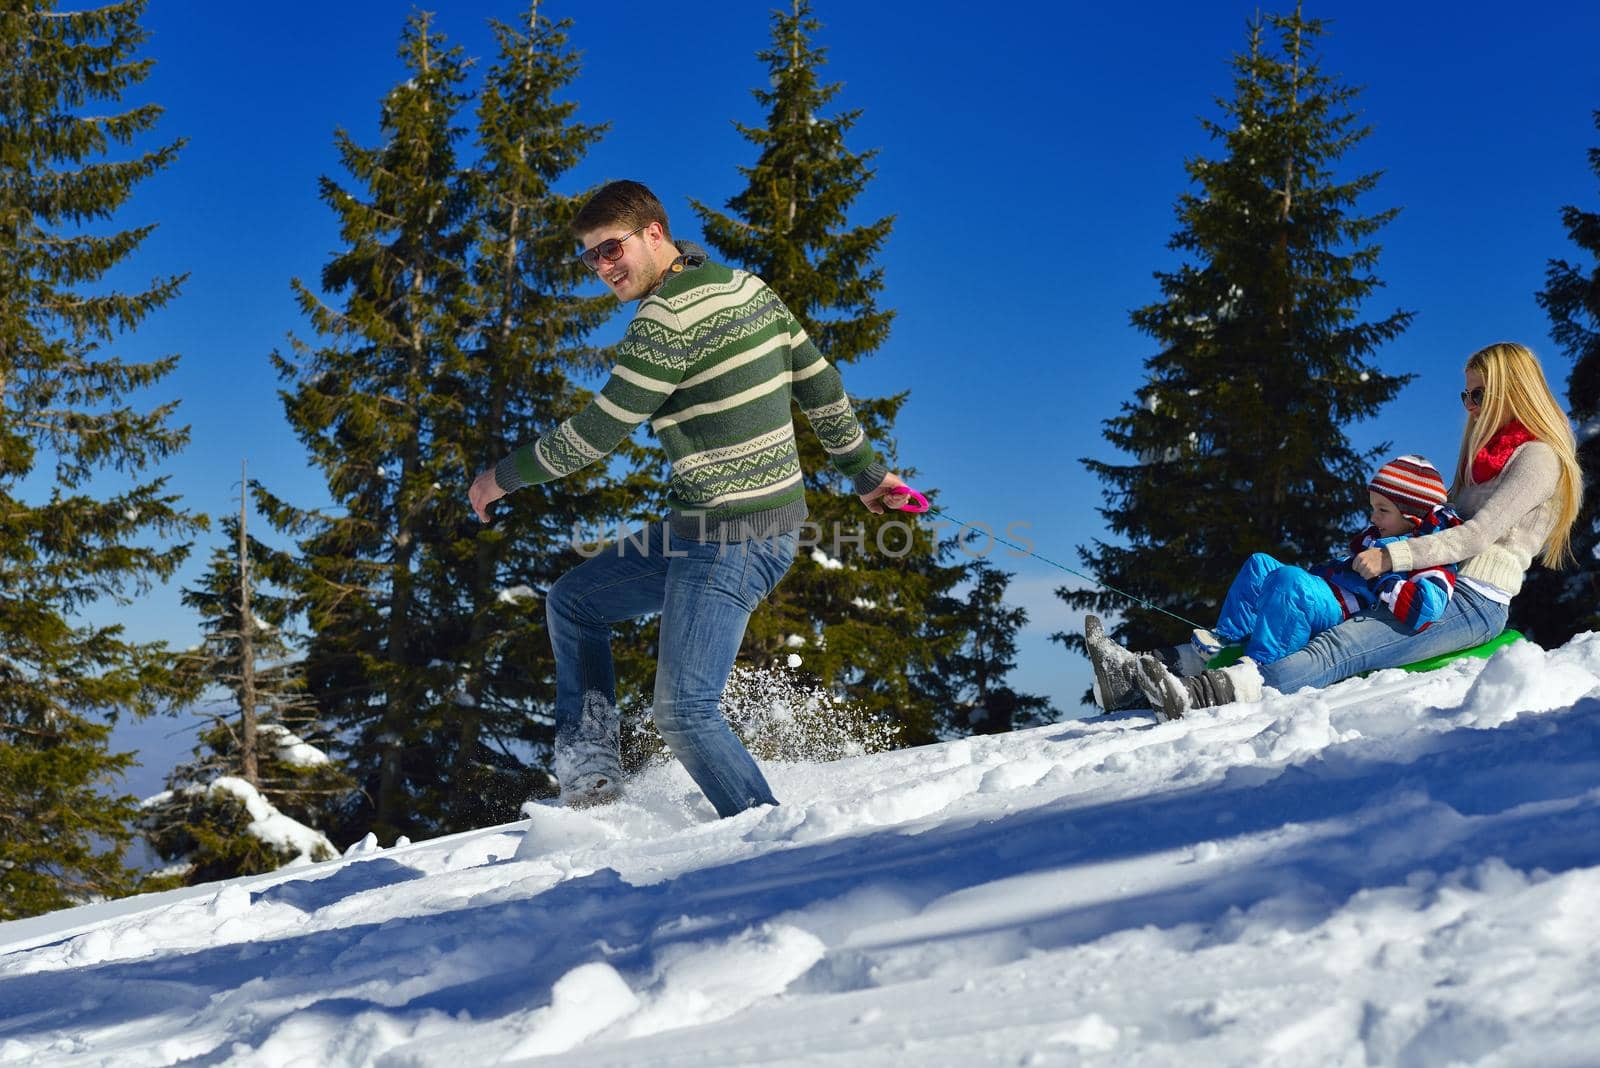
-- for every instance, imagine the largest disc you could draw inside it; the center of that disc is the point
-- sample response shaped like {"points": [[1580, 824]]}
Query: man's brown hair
{"points": [[626, 203]]}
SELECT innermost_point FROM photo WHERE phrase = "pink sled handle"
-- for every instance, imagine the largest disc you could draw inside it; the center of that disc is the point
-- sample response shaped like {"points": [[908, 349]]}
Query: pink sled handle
{"points": [[917, 504]]}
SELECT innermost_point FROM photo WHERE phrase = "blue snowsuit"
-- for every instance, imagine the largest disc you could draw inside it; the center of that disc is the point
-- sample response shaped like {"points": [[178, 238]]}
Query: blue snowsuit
{"points": [[1274, 609]]}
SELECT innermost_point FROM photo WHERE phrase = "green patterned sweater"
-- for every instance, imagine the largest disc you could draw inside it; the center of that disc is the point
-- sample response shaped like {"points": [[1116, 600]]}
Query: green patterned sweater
{"points": [[712, 359]]}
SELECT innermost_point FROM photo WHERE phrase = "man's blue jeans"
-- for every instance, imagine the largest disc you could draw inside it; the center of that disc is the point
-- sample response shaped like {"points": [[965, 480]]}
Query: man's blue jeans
{"points": [[705, 592], [1374, 639]]}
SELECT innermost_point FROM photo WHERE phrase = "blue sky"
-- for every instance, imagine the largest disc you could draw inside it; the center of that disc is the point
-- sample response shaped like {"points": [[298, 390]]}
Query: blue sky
{"points": [[1031, 157]]}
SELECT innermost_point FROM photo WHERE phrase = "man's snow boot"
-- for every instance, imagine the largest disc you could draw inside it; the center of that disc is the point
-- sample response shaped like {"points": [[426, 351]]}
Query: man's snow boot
{"points": [[586, 762], [1172, 695], [589, 790]]}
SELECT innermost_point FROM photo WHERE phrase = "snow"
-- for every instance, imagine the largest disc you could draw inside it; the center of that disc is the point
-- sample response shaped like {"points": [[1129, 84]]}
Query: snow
{"points": [[283, 833], [292, 749], [288, 836], [1399, 870], [826, 562]]}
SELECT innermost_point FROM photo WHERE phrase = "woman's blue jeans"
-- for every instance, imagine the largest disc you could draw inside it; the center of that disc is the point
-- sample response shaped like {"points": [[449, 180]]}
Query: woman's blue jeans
{"points": [[1374, 639], [705, 592]]}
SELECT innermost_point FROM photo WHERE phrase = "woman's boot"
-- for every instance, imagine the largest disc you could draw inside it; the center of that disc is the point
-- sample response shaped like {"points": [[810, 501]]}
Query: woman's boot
{"points": [[1173, 695], [1116, 670]]}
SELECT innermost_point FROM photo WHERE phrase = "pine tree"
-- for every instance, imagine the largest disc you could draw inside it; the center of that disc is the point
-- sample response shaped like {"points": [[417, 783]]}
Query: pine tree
{"points": [[858, 603], [1555, 605], [530, 329], [462, 316], [80, 522], [1237, 437], [375, 407], [971, 680], [267, 736]]}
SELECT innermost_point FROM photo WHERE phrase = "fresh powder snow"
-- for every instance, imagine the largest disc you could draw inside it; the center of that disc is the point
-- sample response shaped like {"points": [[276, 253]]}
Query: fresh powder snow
{"points": [[1398, 870]]}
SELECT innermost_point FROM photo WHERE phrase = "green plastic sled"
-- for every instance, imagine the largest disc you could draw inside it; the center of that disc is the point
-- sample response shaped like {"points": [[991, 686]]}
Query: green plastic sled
{"points": [[1232, 653]]}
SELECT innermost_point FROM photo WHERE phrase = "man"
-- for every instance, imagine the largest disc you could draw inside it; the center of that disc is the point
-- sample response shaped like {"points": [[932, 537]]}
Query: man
{"points": [[711, 358]]}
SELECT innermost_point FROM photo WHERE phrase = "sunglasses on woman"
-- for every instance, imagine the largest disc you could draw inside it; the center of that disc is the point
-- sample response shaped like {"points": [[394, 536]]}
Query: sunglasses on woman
{"points": [[1472, 398], [609, 250]]}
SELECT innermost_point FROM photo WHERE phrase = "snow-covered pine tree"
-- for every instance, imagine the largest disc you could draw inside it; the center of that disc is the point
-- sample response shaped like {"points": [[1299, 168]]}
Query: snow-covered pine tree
{"points": [[859, 610], [81, 522], [1555, 605], [530, 331], [1237, 440], [375, 406], [263, 744], [970, 681]]}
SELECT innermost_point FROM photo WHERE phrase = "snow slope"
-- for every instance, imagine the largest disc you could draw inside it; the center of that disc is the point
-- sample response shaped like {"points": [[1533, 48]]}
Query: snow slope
{"points": [[1401, 870]]}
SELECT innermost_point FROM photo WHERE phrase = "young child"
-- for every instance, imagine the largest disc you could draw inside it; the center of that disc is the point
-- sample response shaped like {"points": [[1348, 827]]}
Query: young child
{"points": [[1274, 610]]}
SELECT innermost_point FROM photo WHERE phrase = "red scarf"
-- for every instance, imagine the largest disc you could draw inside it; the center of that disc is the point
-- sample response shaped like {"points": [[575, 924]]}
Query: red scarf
{"points": [[1492, 458]]}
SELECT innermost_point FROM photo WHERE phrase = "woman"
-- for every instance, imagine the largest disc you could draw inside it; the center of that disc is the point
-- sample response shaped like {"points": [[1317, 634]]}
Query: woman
{"points": [[1517, 487]]}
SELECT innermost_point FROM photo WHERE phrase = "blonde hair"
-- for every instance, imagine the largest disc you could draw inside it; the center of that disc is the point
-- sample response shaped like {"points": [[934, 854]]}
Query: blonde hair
{"points": [[1514, 387]]}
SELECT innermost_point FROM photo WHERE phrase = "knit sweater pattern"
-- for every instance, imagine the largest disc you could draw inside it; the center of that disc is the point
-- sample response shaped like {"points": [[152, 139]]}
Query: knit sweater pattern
{"points": [[711, 360], [1505, 522]]}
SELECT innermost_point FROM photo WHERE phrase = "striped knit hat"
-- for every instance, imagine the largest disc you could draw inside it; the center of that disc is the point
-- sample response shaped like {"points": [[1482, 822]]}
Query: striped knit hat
{"points": [[1413, 484]]}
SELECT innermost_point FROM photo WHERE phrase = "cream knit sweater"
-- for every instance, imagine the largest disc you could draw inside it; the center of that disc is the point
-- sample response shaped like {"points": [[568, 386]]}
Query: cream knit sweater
{"points": [[1506, 520]]}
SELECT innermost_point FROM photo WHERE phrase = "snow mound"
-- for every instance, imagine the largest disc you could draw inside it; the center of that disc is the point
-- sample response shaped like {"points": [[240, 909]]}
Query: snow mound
{"points": [[1396, 870], [292, 749], [283, 833]]}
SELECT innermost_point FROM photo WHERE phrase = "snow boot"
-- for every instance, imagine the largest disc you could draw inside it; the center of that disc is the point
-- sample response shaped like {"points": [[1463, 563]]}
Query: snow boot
{"points": [[1186, 659], [1173, 695], [587, 791], [586, 762], [1206, 642], [1116, 671]]}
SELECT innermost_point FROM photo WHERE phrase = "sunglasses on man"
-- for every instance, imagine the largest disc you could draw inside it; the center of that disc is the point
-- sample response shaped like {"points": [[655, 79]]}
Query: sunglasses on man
{"points": [[609, 250], [1472, 398]]}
